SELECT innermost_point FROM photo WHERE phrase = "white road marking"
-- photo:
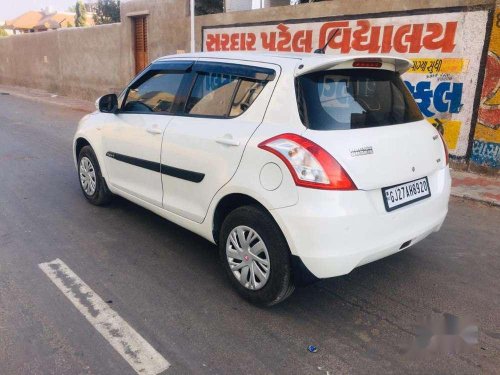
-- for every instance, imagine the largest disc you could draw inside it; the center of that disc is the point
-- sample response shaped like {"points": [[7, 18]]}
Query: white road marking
{"points": [[143, 358]]}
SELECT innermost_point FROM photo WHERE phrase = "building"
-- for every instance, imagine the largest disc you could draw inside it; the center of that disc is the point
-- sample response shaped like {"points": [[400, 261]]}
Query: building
{"points": [[43, 20], [2, 25], [54, 21]]}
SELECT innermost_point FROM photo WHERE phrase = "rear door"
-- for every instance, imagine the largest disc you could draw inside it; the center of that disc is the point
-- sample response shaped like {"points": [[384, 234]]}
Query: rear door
{"points": [[368, 121], [204, 143]]}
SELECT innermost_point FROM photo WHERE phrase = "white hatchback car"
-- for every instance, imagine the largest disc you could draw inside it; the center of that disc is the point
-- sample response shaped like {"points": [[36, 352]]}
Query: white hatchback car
{"points": [[299, 166]]}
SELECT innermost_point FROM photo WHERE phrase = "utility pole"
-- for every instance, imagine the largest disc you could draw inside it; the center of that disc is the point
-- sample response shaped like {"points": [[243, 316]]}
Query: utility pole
{"points": [[192, 26]]}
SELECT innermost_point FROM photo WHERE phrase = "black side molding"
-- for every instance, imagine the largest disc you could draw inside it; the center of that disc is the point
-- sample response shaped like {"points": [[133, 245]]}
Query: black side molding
{"points": [[182, 173], [157, 167], [151, 165]]}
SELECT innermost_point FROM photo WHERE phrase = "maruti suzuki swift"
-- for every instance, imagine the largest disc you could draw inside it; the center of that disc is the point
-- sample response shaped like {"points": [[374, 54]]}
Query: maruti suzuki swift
{"points": [[298, 166]]}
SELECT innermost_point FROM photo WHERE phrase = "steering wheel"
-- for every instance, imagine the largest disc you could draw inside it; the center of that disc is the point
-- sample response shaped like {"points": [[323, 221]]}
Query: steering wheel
{"points": [[137, 106]]}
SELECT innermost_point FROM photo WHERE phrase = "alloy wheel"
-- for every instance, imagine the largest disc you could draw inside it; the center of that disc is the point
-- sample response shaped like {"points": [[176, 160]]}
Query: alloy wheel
{"points": [[248, 257], [87, 176]]}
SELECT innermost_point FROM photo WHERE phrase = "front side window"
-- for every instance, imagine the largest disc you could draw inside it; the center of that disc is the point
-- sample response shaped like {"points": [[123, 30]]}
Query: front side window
{"points": [[155, 95], [353, 99]]}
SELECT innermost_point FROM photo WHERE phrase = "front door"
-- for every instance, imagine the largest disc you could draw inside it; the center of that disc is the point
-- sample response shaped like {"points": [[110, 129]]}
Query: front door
{"points": [[203, 145], [133, 140]]}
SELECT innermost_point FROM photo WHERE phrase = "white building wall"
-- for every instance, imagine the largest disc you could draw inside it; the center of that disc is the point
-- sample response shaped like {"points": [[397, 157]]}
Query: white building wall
{"points": [[240, 5]]}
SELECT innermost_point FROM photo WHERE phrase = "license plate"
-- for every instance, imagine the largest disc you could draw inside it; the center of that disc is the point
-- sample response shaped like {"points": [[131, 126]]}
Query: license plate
{"points": [[401, 195]]}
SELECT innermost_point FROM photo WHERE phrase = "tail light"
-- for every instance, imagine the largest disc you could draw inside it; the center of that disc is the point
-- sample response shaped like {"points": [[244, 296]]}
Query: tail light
{"points": [[446, 153], [310, 165]]}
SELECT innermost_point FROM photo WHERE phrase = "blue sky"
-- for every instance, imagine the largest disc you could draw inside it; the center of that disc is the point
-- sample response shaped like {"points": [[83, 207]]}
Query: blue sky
{"points": [[12, 8]]}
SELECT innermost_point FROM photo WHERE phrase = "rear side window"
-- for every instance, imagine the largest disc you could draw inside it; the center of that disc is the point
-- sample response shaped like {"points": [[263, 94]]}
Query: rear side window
{"points": [[245, 95], [222, 95], [156, 94], [353, 99], [211, 95]]}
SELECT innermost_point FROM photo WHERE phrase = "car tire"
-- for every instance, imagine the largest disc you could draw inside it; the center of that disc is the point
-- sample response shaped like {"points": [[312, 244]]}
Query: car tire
{"points": [[260, 233], [92, 183]]}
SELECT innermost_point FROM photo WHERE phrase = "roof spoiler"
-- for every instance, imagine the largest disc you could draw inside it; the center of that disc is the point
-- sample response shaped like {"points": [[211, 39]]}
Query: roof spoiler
{"points": [[317, 63]]}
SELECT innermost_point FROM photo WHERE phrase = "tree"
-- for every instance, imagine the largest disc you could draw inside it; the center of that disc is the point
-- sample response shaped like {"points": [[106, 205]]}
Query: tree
{"points": [[107, 11], [202, 7], [81, 14], [3, 32]]}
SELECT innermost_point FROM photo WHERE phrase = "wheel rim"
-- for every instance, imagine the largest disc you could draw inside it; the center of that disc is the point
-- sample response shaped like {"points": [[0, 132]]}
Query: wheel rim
{"points": [[87, 176], [248, 257]]}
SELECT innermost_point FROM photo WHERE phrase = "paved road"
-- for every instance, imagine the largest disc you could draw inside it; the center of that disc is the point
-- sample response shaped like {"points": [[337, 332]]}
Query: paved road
{"points": [[166, 282]]}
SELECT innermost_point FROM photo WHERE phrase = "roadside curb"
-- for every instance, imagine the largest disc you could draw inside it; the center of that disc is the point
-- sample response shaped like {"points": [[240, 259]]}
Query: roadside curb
{"points": [[487, 202], [48, 98], [475, 187]]}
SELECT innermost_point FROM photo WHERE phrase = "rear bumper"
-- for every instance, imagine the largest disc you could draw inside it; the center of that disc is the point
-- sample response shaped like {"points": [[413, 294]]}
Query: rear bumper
{"points": [[333, 232]]}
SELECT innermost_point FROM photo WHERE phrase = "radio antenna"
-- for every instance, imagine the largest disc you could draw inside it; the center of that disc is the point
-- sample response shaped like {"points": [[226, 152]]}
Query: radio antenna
{"points": [[321, 51]]}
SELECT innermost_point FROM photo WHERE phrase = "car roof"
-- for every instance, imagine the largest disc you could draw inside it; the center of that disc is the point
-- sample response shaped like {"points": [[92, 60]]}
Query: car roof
{"points": [[310, 61], [254, 56]]}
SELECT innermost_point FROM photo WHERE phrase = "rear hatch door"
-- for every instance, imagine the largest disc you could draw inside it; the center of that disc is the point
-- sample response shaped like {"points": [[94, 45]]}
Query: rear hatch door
{"points": [[381, 157], [365, 117]]}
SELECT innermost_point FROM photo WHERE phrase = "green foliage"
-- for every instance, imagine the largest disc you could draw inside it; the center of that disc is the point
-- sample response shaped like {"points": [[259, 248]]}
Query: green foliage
{"points": [[202, 7], [81, 14], [107, 11], [3, 32]]}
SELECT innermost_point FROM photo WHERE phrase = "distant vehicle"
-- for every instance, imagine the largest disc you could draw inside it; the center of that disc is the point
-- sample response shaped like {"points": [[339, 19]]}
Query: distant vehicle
{"points": [[298, 166]]}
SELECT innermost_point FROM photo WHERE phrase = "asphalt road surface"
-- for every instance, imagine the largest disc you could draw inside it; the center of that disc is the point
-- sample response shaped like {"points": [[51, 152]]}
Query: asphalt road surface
{"points": [[166, 283]]}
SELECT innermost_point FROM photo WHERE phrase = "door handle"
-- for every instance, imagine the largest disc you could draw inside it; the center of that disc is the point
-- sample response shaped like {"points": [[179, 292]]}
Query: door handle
{"points": [[228, 141], [154, 130]]}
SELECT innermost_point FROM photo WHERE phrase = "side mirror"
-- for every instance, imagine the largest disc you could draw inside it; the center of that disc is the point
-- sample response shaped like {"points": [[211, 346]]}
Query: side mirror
{"points": [[108, 103]]}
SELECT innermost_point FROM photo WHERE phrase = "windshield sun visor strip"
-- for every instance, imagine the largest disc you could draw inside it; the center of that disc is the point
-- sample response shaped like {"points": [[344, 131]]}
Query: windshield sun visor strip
{"points": [[244, 71]]}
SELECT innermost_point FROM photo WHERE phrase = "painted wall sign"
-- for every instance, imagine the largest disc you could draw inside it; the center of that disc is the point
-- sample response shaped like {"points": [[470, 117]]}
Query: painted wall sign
{"points": [[486, 146], [446, 50]]}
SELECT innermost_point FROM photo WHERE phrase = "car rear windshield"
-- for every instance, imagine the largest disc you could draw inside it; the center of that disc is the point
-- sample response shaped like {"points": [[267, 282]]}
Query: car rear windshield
{"points": [[354, 99]]}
